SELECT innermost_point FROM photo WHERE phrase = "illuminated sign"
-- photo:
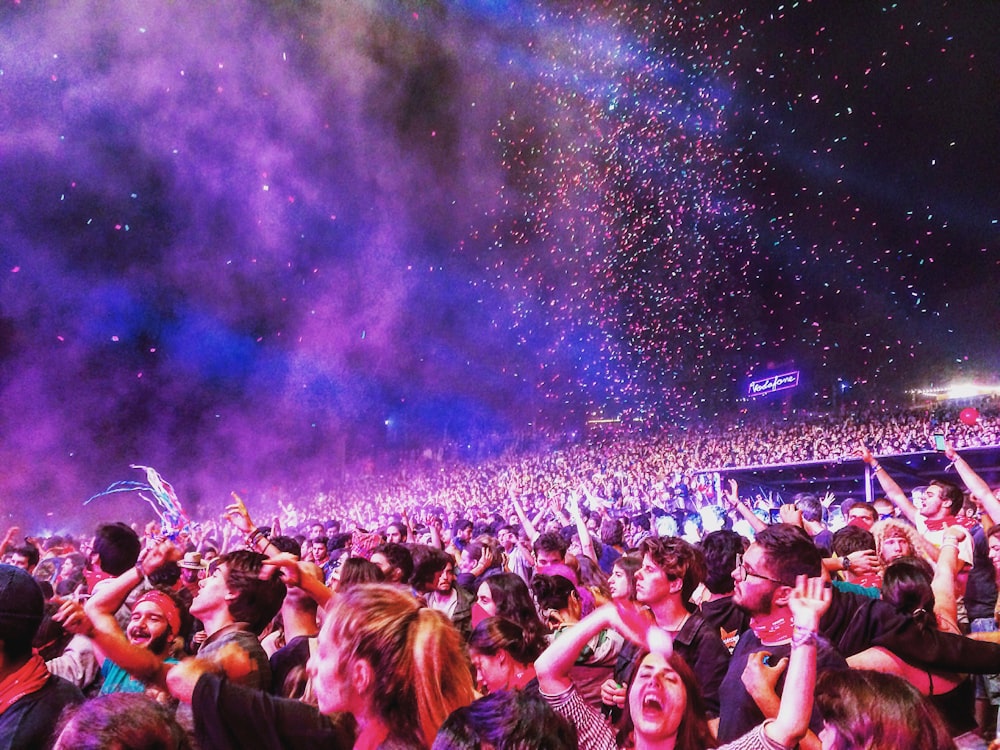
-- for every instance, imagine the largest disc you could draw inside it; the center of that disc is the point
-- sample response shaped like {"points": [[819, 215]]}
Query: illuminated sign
{"points": [[773, 383]]}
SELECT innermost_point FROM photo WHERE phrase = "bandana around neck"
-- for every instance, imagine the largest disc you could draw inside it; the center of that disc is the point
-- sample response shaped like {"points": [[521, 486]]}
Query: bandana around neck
{"points": [[772, 631], [941, 523], [27, 680]]}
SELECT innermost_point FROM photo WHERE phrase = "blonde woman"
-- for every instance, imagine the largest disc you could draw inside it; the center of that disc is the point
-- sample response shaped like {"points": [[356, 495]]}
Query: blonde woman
{"points": [[396, 667]]}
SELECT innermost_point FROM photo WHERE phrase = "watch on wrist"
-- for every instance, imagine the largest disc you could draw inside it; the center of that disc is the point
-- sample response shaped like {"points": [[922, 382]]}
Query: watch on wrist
{"points": [[845, 563]]}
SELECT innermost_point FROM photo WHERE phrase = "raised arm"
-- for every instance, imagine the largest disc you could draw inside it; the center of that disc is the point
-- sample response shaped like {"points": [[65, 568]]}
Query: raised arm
{"points": [[293, 574], [808, 602], [8, 538], [943, 584], [239, 517], [733, 497], [553, 667], [141, 663], [889, 486], [586, 543], [976, 484], [526, 524]]}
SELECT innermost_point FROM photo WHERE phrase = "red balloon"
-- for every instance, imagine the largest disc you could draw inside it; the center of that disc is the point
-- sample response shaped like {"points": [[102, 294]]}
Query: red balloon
{"points": [[969, 415]]}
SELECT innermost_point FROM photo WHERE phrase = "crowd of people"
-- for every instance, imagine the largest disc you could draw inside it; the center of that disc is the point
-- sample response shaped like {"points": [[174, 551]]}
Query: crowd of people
{"points": [[565, 598]]}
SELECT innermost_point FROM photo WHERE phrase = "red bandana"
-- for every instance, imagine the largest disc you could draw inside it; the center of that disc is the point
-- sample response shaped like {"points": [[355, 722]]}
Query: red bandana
{"points": [[772, 632], [27, 680], [941, 523]]}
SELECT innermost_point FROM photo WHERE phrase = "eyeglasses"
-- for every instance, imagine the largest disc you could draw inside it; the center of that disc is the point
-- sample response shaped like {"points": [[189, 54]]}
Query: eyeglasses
{"points": [[745, 572]]}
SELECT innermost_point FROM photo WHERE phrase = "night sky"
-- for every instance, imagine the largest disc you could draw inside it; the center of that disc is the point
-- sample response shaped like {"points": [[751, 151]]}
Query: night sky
{"points": [[241, 241]]}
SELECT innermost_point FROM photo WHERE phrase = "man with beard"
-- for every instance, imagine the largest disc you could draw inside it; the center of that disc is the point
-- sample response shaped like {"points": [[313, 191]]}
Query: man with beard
{"points": [[157, 624], [235, 602], [765, 579]]}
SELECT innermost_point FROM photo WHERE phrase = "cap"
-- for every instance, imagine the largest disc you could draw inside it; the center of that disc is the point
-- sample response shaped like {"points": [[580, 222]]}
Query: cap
{"points": [[20, 595]]}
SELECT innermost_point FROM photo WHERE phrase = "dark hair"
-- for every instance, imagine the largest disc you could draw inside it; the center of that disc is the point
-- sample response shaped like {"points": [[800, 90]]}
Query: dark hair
{"points": [[500, 634], [677, 559], [355, 570], [51, 638], [612, 531], [789, 552], [506, 720], [551, 541], [906, 584], [720, 549], [867, 507], [125, 721], [693, 732], [513, 601], [166, 575], [591, 577], [629, 565], [427, 563], [552, 592], [400, 526], [286, 544], [398, 556], [950, 492], [879, 712], [29, 552], [640, 522], [118, 547], [852, 539], [257, 600], [461, 525]]}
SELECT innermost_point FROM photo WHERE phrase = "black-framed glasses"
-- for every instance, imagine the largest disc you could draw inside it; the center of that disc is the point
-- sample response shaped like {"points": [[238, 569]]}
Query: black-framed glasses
{"points": [[745, 572]]}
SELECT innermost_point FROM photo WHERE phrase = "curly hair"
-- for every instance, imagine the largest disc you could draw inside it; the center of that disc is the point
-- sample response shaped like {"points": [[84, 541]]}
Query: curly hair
{"points": [[893, 527]]}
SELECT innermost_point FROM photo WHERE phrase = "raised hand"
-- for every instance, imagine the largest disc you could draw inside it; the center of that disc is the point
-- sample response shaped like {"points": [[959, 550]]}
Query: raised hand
{"points": [[73, 618], [238, 515], [809, 602]]}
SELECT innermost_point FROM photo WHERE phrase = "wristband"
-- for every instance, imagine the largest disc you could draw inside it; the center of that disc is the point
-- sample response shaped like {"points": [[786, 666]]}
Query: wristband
{"points": [[876, 467], [139, 567], [803, 637], [255, 536]]}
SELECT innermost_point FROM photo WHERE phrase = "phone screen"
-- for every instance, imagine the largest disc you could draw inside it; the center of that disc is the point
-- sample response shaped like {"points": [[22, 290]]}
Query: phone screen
{"points": [[939, 441]]}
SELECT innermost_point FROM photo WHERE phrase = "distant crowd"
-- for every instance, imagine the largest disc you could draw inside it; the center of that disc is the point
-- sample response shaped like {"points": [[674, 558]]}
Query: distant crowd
{"points": [[612, 593]]}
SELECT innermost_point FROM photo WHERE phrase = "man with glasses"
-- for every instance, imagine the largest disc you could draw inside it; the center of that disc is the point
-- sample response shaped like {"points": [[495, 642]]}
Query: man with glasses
{"points": [[852, 624], [765, 578]]}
